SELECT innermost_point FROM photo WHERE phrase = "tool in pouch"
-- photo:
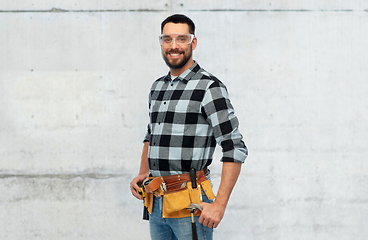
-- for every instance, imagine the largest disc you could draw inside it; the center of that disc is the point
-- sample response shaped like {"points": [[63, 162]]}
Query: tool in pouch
{"points": [[193, 206], [145, 210]]}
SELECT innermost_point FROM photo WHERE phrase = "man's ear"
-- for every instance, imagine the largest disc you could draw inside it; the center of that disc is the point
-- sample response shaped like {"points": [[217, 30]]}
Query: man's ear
{"points": [[194, 43]]}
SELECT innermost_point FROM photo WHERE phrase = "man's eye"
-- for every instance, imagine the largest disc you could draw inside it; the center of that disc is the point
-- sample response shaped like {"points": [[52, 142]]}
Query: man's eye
{"points": [[167, 40], [182, 39]]}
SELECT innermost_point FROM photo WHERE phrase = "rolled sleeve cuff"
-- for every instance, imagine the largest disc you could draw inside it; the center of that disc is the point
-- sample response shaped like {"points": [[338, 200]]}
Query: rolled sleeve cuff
{"points": [[237, 155], [146, 138], [148, 135]]}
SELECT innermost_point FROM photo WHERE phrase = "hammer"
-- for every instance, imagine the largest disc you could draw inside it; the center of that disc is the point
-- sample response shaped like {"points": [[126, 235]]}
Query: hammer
{"points": [[193, 206]]}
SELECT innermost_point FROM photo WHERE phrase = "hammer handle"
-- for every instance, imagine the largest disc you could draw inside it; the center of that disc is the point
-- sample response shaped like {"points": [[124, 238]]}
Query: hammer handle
{"points": [[194, 228]]}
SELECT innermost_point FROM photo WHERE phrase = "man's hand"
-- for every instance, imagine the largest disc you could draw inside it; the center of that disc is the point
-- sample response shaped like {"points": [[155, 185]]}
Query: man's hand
{"points": [[134, 187], [211, 214], [143, 172]]}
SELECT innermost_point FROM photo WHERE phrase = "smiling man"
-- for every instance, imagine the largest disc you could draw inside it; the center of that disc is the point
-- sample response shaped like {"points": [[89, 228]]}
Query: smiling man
{"points": [[178, 42], [190, 113]]}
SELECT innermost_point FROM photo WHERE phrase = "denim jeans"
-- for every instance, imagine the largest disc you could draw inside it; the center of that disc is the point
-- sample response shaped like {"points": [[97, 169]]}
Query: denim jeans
{"points": [[175, 228]]}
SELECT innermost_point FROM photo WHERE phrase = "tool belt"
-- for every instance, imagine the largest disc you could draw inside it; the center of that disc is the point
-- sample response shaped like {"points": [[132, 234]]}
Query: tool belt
{"points": [[177, 193]]}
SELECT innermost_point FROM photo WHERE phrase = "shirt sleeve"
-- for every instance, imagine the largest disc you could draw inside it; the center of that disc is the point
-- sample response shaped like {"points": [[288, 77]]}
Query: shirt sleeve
{"points": [[219, 113], [147, 137]]}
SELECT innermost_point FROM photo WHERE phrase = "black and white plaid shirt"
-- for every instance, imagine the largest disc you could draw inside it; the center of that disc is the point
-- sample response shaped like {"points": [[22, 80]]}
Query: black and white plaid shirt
{"points": [[188, 116]]}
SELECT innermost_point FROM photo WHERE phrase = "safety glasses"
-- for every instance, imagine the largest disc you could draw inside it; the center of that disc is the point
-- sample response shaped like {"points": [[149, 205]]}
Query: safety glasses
{"points": [[180, 39]]}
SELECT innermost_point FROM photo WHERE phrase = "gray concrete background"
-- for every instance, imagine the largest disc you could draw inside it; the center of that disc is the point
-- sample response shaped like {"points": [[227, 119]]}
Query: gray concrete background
{"points": [[75, 77]]}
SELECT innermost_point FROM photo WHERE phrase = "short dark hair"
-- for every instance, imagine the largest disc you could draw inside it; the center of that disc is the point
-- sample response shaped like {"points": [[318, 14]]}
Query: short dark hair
{"points": [[179, 18]]}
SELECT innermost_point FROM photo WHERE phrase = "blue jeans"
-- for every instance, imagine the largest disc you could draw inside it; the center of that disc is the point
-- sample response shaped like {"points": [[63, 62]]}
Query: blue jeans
{"points": [[175, 228]]}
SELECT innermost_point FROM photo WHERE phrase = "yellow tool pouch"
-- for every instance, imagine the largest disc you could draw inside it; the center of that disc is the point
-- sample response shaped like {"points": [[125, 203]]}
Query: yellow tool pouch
{"points": [[175, 204], [148, 202], [207, 188]]}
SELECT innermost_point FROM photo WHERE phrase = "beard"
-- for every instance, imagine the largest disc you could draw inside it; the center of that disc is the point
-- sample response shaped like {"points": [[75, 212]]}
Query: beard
{"points": [[177, 64]]}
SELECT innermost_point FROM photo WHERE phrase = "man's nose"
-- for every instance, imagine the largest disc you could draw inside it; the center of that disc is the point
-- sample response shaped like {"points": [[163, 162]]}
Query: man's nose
{"points": [[173, 43]]}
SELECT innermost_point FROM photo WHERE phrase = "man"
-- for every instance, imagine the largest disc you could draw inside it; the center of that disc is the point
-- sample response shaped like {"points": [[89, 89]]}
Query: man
{"points": [[189, 113]]}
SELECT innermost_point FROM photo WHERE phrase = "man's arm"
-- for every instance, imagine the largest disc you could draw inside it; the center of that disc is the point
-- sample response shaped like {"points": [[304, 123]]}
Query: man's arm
{"points": [[219, 113], [143, 172], [213, 213]]}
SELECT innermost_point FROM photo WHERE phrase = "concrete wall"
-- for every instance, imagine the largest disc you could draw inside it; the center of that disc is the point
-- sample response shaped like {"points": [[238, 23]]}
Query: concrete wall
{"points": [[75, 77]]}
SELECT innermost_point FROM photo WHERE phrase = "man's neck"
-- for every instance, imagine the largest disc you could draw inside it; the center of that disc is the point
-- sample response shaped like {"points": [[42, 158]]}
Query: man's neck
{"points": [[178, 72]]}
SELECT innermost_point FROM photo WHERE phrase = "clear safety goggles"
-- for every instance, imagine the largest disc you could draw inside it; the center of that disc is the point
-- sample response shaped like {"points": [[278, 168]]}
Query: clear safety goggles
{"points": [[180, 39]]}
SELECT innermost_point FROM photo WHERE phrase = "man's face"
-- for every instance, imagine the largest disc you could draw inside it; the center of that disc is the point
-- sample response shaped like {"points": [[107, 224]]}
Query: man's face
{"points": [[177, 56]]}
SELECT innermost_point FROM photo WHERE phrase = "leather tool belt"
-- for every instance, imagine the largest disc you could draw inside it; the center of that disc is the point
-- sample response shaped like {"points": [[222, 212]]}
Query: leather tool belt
{"points": [[177, 193]]}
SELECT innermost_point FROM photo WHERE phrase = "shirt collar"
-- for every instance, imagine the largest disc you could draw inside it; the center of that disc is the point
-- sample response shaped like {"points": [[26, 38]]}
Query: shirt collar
{"points": [[187, 74]]}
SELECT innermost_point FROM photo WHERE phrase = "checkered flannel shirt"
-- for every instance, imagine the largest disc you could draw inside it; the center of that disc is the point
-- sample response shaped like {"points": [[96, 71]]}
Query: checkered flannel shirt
{"points": [[188, 116]]}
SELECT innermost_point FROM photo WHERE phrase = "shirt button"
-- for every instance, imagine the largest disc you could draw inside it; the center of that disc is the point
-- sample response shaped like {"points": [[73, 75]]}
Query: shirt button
{"points": [[172, 84], [164, 103]]}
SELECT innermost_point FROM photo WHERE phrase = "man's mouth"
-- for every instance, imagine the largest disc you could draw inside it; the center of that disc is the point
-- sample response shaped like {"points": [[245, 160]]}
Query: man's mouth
{"points": [[174, 54]]}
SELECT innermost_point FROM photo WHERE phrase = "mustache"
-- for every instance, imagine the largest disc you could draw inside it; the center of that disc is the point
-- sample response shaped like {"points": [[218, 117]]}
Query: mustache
{"points": [[174, 52]]}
